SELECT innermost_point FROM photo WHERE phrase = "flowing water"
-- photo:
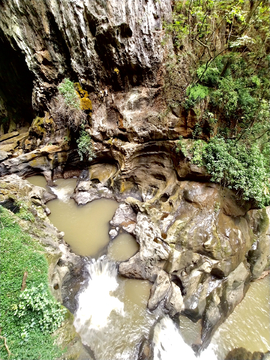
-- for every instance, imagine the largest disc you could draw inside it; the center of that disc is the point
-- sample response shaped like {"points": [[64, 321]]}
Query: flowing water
{"points": [[169, 343], [112, 316], [249, 325]]}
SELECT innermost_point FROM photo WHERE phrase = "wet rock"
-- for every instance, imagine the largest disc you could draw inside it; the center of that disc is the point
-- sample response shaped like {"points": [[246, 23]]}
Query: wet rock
{"points": [[3, 155], [159, 290], [232, 205], [136, 268], [179, 260], [150, 240], [102, 173], [223, 299], [68, 339], [196, 290], [203, 196], [259, 254], [145, 351], [124, 218], [243, 354], [174, 303], [38, 161], [87, 191]]}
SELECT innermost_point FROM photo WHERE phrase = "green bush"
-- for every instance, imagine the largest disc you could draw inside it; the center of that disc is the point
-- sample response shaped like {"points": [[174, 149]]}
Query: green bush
{"points": [[38, 309], [65, 107], [66, 88], [236, 166], [85, 147], [27, 336], [195, 94]]}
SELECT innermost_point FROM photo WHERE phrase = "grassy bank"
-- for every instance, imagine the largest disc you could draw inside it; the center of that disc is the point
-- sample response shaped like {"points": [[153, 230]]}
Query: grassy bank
{"points": [[28, 316]]}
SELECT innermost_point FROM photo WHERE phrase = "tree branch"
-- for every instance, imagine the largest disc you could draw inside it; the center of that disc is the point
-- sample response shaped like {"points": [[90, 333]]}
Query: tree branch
{"points": [[5, 343]]}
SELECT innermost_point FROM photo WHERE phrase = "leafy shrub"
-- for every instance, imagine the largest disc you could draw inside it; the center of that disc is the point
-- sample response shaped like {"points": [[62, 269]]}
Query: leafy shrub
{"points": [[66, 88], [85, 147], [195, 94], [233, 164], [37, 308], [181, 145]]}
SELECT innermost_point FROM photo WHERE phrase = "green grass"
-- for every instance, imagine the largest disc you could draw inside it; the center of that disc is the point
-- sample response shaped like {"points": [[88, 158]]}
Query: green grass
{"points": [[25, 338]]}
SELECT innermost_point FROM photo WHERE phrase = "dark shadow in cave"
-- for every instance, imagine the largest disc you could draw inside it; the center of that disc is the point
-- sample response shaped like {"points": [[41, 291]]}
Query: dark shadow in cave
{"points": [[16, 84]]}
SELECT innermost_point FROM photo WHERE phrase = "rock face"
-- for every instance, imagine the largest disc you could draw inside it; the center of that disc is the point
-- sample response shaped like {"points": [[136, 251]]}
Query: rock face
{"points": [[99, 43], [199, 244]]}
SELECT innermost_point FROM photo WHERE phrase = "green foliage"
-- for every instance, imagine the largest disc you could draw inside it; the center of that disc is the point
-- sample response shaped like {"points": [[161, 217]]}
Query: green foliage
{"points": [[24, 335], [195, 94], [233, 164], [37, 308], [66, 88], [229, 41], [231, 60], [85, 147], [182, 146]]}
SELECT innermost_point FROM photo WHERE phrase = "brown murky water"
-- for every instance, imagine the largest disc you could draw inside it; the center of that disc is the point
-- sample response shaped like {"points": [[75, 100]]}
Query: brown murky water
{"points": [[38, 180], [85, 227], [86, 230], [249, 325], [122, 247]]}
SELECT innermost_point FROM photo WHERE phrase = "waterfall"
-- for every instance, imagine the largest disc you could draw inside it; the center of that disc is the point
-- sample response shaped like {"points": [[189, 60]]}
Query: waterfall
{"points": [[169, 344], [62, 193], [108, 329], [96, 301]]}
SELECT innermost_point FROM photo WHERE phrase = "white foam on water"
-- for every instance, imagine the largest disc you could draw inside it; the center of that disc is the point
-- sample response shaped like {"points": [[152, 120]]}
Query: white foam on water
{"points": [[96, 302], [62, 193], [169, 344]]}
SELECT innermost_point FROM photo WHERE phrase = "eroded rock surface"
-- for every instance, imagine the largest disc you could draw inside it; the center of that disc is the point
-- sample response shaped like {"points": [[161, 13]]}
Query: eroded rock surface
{"points": [[120, 42]]}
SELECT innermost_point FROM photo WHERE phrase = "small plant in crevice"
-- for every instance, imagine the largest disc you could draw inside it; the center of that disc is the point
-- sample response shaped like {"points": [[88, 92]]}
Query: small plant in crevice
{"points": [[66, 88], [65, 107], [181, 146], [85, 146]]}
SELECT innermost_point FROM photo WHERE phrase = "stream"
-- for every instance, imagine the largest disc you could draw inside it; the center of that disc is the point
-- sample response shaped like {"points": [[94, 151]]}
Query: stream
{"points": [[112, 316]]}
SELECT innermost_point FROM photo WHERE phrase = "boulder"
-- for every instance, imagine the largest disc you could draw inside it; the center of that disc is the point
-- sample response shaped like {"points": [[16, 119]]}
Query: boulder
{"points": [[243, 354]]}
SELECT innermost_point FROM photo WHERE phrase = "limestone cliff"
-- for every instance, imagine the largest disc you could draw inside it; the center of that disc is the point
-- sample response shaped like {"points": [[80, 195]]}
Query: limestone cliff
{"points": [[98, 43]]}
